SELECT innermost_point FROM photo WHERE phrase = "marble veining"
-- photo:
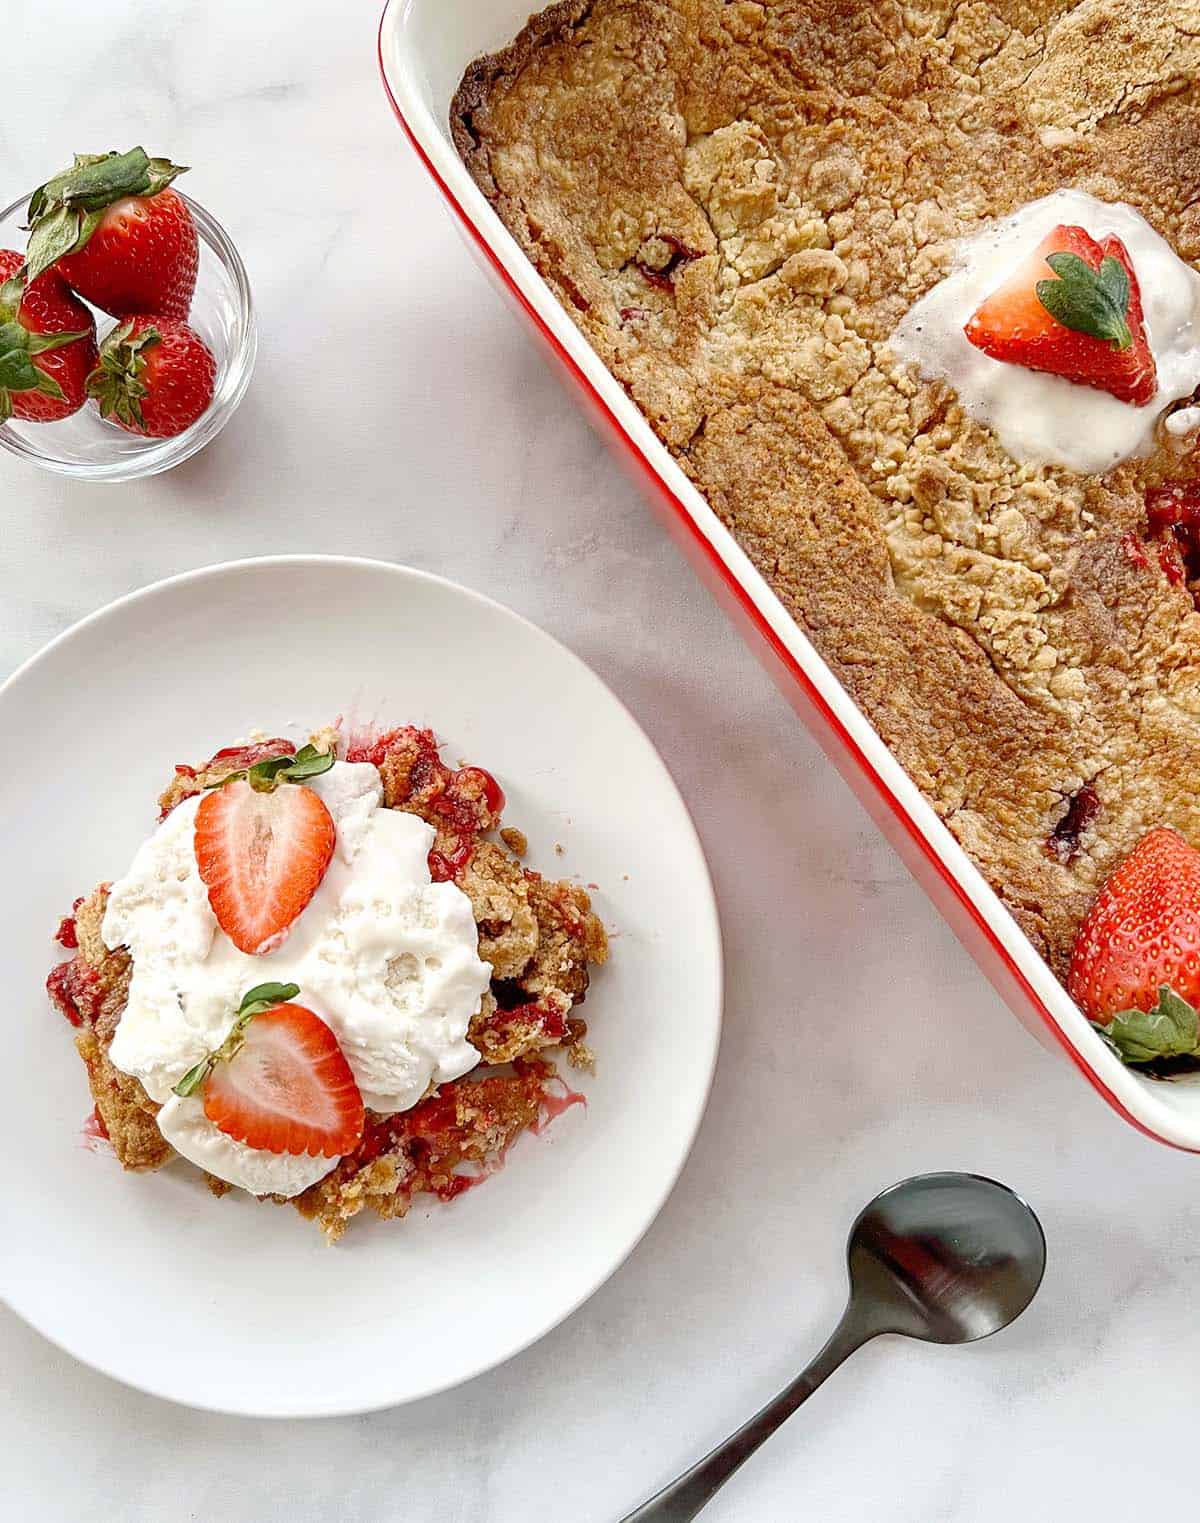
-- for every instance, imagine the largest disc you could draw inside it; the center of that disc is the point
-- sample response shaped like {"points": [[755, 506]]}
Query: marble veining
{"points": [[398, 412]]}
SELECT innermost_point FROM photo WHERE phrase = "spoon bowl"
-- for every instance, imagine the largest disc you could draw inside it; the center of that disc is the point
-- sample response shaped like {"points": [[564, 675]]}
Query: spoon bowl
{"points": [[947, 1258]]}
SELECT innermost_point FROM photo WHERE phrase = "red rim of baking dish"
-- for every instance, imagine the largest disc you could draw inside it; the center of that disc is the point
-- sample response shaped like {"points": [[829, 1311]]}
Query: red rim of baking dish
{"points": [[647, 468]]}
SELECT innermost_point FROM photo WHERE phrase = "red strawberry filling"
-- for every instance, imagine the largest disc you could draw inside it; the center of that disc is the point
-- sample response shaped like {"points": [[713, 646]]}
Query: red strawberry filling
{"points": [[462, 804], [1173, 516], [470, 1122], [75, 992], [67, 934], [662, 276], [1082, 809]]}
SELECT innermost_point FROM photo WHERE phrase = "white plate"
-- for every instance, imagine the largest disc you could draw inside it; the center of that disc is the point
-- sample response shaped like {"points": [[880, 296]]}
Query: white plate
{"points": [[240, 1307]]}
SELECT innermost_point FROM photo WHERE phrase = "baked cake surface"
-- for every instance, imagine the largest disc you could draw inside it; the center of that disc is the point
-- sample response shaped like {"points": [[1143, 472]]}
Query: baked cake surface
{"points": [[737, 202]]}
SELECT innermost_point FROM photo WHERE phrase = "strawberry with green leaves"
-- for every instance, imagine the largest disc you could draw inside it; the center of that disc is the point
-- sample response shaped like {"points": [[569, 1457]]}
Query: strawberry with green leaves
{"points": [[263, 843], [118, 234], [155, 377], [280, 1081], [1072, 309], [1135, 967], [47, 345]]}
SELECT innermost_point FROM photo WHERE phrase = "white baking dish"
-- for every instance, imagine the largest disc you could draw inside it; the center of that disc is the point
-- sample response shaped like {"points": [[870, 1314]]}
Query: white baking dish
{"points": [[424, 46]]}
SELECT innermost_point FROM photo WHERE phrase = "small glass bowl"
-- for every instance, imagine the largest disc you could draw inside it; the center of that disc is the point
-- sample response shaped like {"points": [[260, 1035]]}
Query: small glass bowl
{"points": [[88, 448]]}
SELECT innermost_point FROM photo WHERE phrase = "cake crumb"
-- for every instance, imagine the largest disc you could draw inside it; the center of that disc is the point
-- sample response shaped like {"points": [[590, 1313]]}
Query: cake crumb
{"points": [[516, 840]]}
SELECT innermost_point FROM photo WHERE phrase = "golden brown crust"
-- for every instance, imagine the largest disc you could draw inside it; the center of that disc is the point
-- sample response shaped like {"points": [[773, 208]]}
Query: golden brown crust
{"points": [[123, 1106], [736, 203]]}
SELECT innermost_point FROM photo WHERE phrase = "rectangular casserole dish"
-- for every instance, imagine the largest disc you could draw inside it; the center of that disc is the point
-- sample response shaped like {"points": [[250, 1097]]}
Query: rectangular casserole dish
{"points": [[424, 48]]}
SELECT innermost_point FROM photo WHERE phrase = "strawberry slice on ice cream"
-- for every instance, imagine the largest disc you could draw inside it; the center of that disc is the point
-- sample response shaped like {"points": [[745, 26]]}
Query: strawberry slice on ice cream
{"points": [[263, 844], [1074, 310], [279, 1081]]}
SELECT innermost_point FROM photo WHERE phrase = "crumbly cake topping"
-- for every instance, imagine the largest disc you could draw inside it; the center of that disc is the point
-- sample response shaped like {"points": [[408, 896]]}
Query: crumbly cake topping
{"points": [[737, 202], [541, 938]]}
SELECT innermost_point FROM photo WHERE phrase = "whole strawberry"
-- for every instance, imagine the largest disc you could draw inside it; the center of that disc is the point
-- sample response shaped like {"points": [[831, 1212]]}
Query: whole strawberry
{"points": [[155, 377], [47, 345], [1135, 967], [119, 236]]}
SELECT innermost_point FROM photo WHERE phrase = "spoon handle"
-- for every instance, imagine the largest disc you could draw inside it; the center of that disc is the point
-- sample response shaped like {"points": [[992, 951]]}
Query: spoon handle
{"points": [[695, 1488]]}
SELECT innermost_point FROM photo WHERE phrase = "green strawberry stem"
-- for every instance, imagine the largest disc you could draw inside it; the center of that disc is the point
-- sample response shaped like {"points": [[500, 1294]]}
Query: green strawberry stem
{"points": [[66, 210], [1088, 301], [116, 383], [266, 776], [1170, 1030], [254, 1002]]}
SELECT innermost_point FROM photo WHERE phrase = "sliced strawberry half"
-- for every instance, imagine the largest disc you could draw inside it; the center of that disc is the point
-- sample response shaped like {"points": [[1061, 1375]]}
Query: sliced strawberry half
{"points": [[280, 1082], [1072, 309], [262, 855]]}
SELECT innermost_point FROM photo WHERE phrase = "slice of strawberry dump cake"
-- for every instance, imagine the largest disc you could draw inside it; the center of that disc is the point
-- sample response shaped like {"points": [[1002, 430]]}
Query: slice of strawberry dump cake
{"points": [[323, 981]]}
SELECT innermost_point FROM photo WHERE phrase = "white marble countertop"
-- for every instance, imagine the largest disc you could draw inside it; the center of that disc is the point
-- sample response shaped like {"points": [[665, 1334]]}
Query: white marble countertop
{"points": [[399, 412]]}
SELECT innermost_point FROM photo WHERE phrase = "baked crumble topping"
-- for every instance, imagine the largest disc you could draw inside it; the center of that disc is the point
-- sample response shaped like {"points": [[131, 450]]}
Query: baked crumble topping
{"points": [[540, 937], [737, 203]]}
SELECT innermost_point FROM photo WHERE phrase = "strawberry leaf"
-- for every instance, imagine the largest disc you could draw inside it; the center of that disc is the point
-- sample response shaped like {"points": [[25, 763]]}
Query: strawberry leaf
{"points": [[19, 373], [116, 384], [265, 776], [254, 1002], [1088, 301], [265, 996], [194, 1078], [45, 343], [308, 762], [65, 212], [11, 294], [1114, 281], [1170, 1030], [57, 234]]}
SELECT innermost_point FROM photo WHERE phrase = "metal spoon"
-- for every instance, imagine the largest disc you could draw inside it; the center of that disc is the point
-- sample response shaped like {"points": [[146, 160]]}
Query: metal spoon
{"points": [[947, 1258]]}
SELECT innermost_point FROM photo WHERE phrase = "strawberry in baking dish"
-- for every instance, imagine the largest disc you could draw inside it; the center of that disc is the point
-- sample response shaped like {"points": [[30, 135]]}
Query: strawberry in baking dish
{"points": [[1135, 970]]}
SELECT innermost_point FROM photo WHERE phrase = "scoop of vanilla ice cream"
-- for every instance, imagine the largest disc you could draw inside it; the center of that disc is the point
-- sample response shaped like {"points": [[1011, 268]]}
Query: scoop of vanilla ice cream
{"points": [[387, 958]]}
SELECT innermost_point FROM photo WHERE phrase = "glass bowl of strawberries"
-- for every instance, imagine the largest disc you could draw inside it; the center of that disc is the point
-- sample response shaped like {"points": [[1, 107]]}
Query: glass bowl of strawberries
{"points": [[127, 334]]}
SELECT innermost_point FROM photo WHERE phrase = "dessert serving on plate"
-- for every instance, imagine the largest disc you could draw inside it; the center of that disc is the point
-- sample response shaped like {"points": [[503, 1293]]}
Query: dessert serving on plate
{"points": [[909, 294], [322, 981]]}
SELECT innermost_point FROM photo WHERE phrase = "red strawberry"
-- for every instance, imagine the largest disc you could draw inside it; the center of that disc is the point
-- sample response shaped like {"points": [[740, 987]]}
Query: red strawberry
{"points": [[1135, 967], [155, 377], [280, 1082], [47, 345], [118, 235], [1073, 309], [262, 856]]}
